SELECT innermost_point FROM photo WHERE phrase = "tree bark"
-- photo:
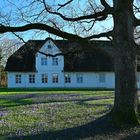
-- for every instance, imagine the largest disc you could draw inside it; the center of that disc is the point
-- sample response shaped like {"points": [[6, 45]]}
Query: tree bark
{"points": [[126, 98]]}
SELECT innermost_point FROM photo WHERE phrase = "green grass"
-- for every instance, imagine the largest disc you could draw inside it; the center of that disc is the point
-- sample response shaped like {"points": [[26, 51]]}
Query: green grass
{"points": [[16, 90], [50, 114]]}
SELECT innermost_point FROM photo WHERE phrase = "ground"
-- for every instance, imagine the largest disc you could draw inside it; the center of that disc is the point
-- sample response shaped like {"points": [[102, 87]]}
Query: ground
{"points": [[61, 115]]}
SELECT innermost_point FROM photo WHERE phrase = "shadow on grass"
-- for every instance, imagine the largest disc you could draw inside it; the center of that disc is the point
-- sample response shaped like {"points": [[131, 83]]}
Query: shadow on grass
{"points": [[29, 99], [132, 137], [102, 128]]}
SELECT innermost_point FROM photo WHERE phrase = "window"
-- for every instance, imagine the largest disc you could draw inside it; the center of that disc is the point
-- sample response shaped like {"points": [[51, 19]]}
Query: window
{"points": [[54, 61], [44, 78], [18, 79], [43, 61], [31, 78], [102, 78], [49, 46], [67, 78], [79, 78], [55, 78]]}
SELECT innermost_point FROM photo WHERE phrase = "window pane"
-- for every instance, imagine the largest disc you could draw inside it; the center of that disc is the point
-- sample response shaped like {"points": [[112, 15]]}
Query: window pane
{"points": [[18, 78], [55, 78], [31, 78], [67, 78], [49, 46], [54, 61], [44, 78], [79, 78], [101, 77], [43, 61]]}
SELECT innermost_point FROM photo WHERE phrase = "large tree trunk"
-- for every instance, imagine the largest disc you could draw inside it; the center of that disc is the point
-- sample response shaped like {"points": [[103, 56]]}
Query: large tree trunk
{"points": [[126, 99]]}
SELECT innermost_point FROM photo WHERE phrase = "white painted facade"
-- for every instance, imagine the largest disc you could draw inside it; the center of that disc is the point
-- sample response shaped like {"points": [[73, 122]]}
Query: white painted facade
{"points": [[76, 80], [90, 80]]}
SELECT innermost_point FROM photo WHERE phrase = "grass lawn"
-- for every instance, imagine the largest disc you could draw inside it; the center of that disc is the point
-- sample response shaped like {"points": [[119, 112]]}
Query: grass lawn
{"points": [[58, 115]]}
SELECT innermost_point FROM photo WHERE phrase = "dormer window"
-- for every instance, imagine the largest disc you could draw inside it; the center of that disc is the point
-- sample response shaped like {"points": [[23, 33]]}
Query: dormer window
{"points": [[55, 61], [43, 61], [49, 46]]}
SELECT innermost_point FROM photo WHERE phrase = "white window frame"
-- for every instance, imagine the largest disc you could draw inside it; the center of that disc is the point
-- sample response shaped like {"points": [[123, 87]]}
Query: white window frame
{"points": [[54, 61], [44, 61], [32, 78], [18, 78], [79, 78], [44, 78], [67, 78], [55, 78], [102, 77]]}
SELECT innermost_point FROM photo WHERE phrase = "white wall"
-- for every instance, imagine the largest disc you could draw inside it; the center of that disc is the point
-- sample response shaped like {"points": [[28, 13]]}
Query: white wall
{"points": [[49, 66], [38, 80], [90, 80]]}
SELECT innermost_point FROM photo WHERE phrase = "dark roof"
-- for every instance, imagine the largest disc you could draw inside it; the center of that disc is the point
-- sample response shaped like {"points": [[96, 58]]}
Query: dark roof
{"points": [[23, 60]]}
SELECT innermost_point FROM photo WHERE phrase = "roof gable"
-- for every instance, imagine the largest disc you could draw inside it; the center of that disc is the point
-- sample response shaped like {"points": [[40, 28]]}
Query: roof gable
{"points": [[24, 58], [49, 47]]}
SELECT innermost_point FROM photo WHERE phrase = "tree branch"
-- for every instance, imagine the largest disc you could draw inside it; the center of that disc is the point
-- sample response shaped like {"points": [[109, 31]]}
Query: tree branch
{"points": [[20, 38], [97, 15], [51, 55], [105, 4], [62, 5], [59, 54], [84, 44], [105, 34], [41, 26]]}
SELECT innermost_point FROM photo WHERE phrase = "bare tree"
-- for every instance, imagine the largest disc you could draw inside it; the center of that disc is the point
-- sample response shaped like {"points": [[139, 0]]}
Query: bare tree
{"points": [[124, 50], [8, 47]]}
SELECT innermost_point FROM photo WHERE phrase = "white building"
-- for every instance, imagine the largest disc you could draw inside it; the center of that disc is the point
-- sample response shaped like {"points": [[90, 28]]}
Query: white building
{"points": [[29, 67]]}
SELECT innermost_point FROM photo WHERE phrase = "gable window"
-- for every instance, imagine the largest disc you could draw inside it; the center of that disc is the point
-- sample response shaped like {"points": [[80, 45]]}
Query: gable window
{"points": [[102, 78], [67, 78], [31, 78], [54, 61], [55, 78], [49, 46], [79, 78], [18, 78], [43, 61], [44, 78]]}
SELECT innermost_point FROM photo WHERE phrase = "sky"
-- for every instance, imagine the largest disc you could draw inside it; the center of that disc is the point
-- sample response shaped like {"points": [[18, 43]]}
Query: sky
{"points": [[11, 7]]}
